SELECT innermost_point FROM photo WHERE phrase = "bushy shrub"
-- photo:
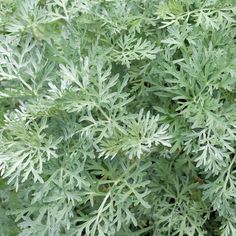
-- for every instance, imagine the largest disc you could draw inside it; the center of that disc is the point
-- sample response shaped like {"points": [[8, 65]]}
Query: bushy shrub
{"points": [[117, 117]]}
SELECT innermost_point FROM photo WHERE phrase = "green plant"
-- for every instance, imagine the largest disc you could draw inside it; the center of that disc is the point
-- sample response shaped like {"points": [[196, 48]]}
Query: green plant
{"points": [[117, 117]]}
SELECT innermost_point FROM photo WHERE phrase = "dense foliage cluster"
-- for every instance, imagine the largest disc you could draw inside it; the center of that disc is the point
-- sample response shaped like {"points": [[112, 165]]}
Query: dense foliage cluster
{"points": [[117, 117]]}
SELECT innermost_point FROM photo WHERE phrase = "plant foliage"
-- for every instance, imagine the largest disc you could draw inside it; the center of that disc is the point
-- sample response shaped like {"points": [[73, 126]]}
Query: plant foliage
{"points": [[117, 117]]}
